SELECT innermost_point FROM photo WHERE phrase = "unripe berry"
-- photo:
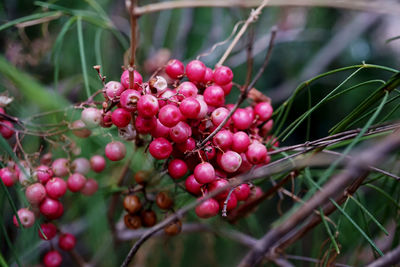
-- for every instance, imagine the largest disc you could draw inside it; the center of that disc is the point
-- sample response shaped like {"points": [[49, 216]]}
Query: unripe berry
{"points": [[91, 117], [97, 163], [79, 129], [76, 182], [173, 228], [195, 70], [192, 185], [242, 192], [129, 99], [241, 119], [52, 259], [121, 117], [147, 106], [170, 115], [164, 201], [7, 176], [256, 153], [160, 148], [214, 96], [113, 90], [240, 142], [35, 193], [263, 110], [56, 187], [149, 218], [145, 125], [67, 242], [80, 165], [137, 80], [7, 129], [60, 167], [223, 139], [90, 187], [207, 209], [132, 204], [115, 151], [49, 231], [132, 221], [177, 168], [175, 69], [223, 75], [204, 173], [26, 217], [190, 108]]}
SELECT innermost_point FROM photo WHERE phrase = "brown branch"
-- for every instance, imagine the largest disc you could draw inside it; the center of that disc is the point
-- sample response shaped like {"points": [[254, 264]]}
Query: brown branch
{"points": [[390, 258], [356, 168], [133, 19]]}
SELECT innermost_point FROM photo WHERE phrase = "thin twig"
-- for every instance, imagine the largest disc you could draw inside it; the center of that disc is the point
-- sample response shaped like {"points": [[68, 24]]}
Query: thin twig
{"points": [[390, 258]]}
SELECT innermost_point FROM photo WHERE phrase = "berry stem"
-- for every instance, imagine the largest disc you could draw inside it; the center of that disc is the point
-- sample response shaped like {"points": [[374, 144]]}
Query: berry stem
{"points": [[133, 19]]}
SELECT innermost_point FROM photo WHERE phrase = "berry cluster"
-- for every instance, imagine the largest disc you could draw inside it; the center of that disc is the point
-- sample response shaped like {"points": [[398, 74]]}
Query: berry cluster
{"points": [[179, 111], [44, 187]]}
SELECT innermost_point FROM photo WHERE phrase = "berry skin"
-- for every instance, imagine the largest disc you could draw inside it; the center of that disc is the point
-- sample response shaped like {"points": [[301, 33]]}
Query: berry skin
{"points": [[56, 187], [141, 177], [190, 108], [266, 129], [192, 185], [241, 119], [80, 165], [175, 69], [49, 230], [76, 182], [52, 259], [160, 130], [223, 139], [208, 76], [79, 129], [263, 110], [121, 117], [217, 185], [60, 167], [187, 89], [195, 70], [219, 115], [173, 228], [177, 168], [240, 142], [26, 217], [256, 153], [207, 209], [91, 117], [145, 125], [232, 203], [227, 88], [149, 218], [7, 176], [137, 80], [214, 96], [115, 151], [7, 129], [203, 107], [160, 148], [188, 145], [223, 75], [164, 201], [113, 90], [132, 221], [129, 99], [242, 192], [180, 132], [90, 187], [147, 106], [67, 242], [170, 115], [132, 204], [97, 163], [204, 173], [35, 193], [50, 208]]}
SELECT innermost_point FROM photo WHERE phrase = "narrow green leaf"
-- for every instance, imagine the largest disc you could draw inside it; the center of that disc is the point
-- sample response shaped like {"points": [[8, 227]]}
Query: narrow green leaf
{"points": [[355, 87], [82, 55], [386, 195], [328, 229], [28, 18], [97, 48], [3, 262], [8, 241]]}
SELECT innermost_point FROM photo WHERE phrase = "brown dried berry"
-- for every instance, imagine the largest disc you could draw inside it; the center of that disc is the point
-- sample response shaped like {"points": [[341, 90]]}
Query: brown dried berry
{"points": [[141, 177], [132, 221], [149, 218], [164, 201], [132, 204], [173, 228]]}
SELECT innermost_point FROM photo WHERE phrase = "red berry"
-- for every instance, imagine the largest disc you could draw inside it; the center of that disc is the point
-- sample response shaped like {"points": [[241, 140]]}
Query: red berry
{"points": [[190, 108], [187, 89], [223, 139], [177, 168], [76, 182], [180, 132], [113, 90], [60, 167], [223, 75], [192, 185], [97, 163], [208, 76], [242, 192], [175, 69], [214, 96], [115, 151], [227, 88], [7, 176], [7, 129], [35, 193], [137, 80], [240, 142], [256, 153], [160, 130], [232, 203], [266, 129], [241, 119], [219, 115], [207, 209], [129, 99], [49, 231], [67, 242], [188, 145], [217, 185], [263, 110], [90, 187], [56, 187], [170, 115], [121, 117], [145, 125], [44, 173], [52, 259], [50, 208], [26, 217], [195, 70], [204, 173], [147, 106], [160, 148]]}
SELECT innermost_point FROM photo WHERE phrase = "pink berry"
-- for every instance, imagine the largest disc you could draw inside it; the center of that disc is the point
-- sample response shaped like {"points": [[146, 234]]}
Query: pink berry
{"points": [[7, 176], [91, 117], [187, 89], [188, 145], [160, 148], [26, 217], [76, 182], [192, 185], [145, 125], [266, 129], [160, 130], [242, 192], [113, 90], [52, 259], [246, 165], [90, 187], [204, 173], [7, 129], [147, 106], [223, 75], [44, 173], [195, 70], [137, 80], [263, 110], [49, 207], [208, 76], [232, 203], [49, 231], [121, 117], [97, 163], [217, 185], [230, 161], [240, 142], [203, 107], [129, 99], [207, 209], [223, 139], [241, 119], [227, 88], [56, 187], [170, 115], [35, 193], [175, 69], [214, 96], [115, 151], [256, 153], [180, 132], [80, 165], [190, 108], [177, 168], [67, 241], [60, 167], [219, 115]]}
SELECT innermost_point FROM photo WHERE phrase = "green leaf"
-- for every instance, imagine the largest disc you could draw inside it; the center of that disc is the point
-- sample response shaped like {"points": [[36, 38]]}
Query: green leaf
{"points": [[3, 263], [328, 229], [386, 195], [82, 55], [7, 238], [28, 18]]}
